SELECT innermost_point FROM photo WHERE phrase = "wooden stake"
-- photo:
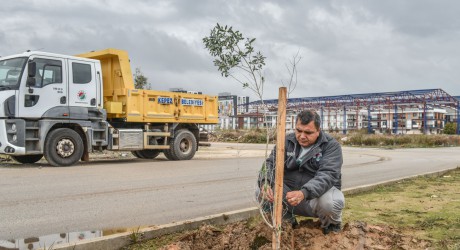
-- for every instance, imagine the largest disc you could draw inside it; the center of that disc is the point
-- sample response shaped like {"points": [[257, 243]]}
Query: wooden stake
{"points": [[280, 141]]}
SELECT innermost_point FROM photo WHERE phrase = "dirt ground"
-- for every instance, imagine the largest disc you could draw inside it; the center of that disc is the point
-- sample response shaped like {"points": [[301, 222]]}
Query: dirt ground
{"points": [[417, 213], [307, 235]]}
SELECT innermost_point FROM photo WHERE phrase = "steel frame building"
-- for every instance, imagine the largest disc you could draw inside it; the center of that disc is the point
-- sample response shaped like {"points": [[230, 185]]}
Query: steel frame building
{"points": [[423, 98]]}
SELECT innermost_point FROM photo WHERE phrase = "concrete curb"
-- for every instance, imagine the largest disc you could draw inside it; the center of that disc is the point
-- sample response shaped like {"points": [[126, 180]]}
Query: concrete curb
{"points": [[118, 241]]}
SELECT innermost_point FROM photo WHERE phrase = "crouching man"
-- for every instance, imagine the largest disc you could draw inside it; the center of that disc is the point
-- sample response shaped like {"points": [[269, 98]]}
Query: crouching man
{"points": [[312, 174]]}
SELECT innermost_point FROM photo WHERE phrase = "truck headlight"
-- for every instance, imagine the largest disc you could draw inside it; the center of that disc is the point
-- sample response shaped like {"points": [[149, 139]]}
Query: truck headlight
{"points": [[15, 138], [13, 127]]}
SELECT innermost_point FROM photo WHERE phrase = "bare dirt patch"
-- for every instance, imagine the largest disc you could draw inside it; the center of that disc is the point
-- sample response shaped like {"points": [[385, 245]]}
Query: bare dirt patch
{"points": [[307, 235]]}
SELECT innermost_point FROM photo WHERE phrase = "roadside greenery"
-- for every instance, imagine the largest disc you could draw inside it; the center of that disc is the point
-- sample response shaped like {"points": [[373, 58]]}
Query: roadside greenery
{"points": [[427, 207], [353, 139], [400, 141], [241, 136]]}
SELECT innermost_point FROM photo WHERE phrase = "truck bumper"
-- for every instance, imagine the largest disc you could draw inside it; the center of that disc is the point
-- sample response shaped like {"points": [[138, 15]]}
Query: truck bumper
{"points": [[12, 137]]}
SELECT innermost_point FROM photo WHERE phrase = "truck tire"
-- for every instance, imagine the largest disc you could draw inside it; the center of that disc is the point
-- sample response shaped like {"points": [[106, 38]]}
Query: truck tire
{"points": [[136, 153], [63, 147], [146, 153], [182, 146], [167, 154], [26, 159]]}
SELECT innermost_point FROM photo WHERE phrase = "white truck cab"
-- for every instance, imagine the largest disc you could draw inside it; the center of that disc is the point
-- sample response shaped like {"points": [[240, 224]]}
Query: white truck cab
{"points": [[39, 87]]}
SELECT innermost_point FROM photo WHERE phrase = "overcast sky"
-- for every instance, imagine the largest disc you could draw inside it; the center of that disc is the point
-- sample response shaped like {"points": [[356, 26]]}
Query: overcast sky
{"points": [[347, 47]]}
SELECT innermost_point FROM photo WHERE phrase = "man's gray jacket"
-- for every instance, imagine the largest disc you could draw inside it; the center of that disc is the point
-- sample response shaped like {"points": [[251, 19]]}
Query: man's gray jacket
{"points": [[315, 173]]}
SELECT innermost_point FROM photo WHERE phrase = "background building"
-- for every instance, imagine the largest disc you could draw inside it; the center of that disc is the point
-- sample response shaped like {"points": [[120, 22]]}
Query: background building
{"points": [[232, 110], [403, 112]]}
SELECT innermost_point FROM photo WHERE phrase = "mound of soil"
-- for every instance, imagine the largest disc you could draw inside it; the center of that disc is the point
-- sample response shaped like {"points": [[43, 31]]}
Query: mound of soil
{"points": [[307, 235]]}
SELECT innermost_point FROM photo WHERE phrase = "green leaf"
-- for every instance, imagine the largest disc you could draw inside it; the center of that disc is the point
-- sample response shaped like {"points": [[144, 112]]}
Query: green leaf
{"points": [[232, 53]]}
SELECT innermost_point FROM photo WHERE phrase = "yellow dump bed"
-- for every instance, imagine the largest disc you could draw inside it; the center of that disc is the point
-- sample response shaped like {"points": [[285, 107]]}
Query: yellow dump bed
{"points": [[121, 100]]}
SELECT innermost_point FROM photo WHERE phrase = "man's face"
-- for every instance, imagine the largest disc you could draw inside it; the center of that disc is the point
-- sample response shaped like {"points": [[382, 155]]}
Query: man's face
{"points": [[306, 135]]}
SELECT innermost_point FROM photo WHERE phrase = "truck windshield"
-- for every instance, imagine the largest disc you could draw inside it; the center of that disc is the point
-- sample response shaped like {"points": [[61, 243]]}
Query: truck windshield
{"points": [[10, 72]]}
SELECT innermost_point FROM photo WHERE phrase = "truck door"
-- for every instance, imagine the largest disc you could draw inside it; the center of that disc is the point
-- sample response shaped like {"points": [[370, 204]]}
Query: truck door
{"points": [[48, 97], [82, 84]]}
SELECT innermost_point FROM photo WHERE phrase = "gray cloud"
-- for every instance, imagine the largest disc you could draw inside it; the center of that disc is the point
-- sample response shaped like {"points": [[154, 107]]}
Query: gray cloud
{"points": [[346, 46]]}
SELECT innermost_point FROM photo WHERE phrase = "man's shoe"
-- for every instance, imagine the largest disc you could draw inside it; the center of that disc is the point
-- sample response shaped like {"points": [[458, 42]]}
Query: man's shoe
{"points": [[332, 228]]}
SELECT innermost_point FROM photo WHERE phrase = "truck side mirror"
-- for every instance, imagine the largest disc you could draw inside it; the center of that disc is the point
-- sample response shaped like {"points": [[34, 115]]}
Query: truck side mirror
{"points": [[30, 81], [32, 67]]}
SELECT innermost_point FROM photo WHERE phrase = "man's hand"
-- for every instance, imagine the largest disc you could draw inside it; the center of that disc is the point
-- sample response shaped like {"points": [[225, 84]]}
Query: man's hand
{"points": [[267, 193], [294, 197]]}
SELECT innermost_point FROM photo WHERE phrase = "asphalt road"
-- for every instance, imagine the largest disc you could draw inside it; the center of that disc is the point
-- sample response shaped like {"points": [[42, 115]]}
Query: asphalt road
{"points": [[38, 200]]}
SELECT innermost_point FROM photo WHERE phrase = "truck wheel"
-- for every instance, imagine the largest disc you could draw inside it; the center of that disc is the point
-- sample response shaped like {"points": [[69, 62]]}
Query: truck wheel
{"points": [[136, 153], [182, 147], [63, 147], [146, 153], [167, 154], [25, 159]]}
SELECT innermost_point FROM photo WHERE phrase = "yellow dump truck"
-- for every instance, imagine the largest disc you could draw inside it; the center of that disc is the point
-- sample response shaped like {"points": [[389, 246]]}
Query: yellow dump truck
{"points": [[64, 107]]}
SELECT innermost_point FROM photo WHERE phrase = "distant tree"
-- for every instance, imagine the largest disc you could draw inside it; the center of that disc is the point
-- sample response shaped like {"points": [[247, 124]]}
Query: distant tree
{"points": [[450, 128], [140, 81]]}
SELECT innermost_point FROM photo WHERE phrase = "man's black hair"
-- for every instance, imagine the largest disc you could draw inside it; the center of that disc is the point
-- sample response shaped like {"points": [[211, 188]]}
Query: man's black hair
{"points": [[306, 116]]}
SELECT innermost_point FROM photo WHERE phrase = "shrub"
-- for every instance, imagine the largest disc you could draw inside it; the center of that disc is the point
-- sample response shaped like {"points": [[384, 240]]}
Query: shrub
{"points": [[224, 135], [371, 141], [254, 136], [450, 128], [403, 140], [355, 139]]}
